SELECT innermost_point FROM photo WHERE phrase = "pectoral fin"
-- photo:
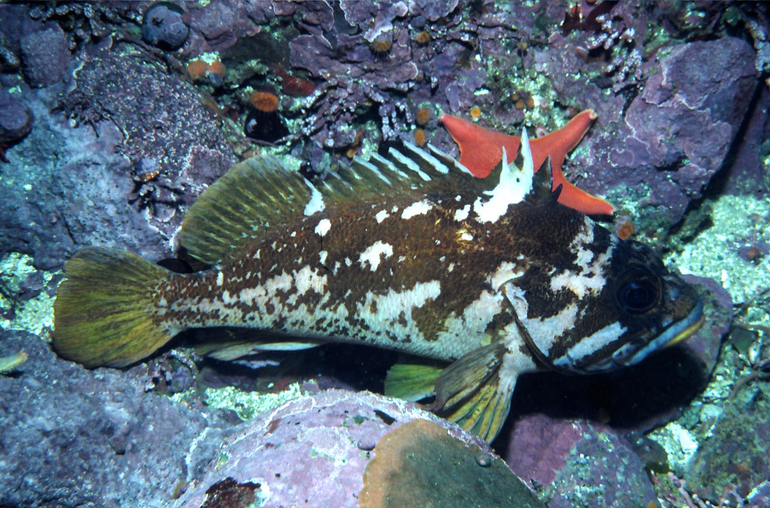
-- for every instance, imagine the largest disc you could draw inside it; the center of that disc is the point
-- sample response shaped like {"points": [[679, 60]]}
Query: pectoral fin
{"points": [[475, 391], [412, 381]]}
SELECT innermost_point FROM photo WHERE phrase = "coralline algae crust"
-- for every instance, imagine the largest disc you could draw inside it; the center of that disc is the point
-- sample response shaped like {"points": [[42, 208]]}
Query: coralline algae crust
{"points": [[34, 315]]}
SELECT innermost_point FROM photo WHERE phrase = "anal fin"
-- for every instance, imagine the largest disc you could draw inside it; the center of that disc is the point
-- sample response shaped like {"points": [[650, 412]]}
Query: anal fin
{"points": [[475, 391], [412, 381]]}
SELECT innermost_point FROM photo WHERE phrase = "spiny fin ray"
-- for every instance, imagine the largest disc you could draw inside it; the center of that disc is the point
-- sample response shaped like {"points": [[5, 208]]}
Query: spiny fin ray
{"points": [[260, 193], [471, 393], [235, 209]]}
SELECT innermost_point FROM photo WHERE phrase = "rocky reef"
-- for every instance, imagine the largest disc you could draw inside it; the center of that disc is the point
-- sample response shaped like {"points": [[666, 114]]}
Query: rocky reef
{"points": [[115, 116]]}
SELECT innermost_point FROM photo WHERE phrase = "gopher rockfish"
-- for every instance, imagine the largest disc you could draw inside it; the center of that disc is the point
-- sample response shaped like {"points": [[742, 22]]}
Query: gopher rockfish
{"points": [[490, 277]]}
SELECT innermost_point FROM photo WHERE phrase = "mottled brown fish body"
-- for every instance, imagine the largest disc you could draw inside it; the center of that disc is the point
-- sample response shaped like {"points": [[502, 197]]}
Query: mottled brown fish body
{"points": [[420, 277], [409, 253]]}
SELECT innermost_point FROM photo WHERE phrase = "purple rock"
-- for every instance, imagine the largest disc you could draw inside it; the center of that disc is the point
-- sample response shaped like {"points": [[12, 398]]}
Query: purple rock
{"points": [[434, 10], [746, 173], [15, 118], [132, 117], [31, 286], [313, 448], [567, 459], [219, 25], [358, 13], [215, 22], [44, 55], [675, 135], [539, 446], [163, 26], [74, 436], [734, 455], [570, 76]]}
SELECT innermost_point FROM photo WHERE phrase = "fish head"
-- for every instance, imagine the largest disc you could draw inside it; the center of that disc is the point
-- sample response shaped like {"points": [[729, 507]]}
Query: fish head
{"points": [[601, 304]]}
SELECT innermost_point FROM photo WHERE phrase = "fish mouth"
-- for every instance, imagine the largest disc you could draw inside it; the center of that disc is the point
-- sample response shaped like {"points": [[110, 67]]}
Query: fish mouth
{"points": [[685, 328], [674, 334]]}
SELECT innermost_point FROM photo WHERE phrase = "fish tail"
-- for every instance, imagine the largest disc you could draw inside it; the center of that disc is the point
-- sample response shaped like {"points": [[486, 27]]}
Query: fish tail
{"points": [[106, 311]]}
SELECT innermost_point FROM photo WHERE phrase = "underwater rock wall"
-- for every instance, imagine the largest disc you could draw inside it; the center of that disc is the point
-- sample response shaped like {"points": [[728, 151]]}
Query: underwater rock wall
{"points": [[73, 437], [111, 125], [349, 76]]}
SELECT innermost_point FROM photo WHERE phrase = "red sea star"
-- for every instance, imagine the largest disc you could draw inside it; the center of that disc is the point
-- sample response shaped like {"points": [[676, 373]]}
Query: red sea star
{"points": [[481, 150]]}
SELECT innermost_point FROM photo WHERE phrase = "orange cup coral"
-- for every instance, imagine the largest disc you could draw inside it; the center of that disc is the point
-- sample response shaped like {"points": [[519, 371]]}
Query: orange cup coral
{"points": [[267, 102]]}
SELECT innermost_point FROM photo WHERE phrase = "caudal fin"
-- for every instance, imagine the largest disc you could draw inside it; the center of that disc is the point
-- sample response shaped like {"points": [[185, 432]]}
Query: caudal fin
{"points": [[105, 312]]}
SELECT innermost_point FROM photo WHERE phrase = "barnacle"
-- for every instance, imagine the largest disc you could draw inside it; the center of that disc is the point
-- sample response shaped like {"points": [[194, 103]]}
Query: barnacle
{"points": [[422, 37], [217, 67], [420, 138], [523, 99], [196, 69], [355, 145], [382, 44], [625, 228]]}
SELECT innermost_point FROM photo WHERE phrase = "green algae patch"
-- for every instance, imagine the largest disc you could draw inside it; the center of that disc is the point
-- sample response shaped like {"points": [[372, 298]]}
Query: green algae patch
{"points": [[247, 405], [421, 464], [34, 315]]}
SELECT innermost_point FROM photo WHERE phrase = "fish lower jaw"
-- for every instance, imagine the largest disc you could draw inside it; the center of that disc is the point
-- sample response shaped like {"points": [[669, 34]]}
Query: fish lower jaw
{"points": [[674, 334], [685, 328]]}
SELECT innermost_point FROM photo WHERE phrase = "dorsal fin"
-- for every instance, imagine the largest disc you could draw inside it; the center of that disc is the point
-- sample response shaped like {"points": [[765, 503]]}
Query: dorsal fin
{"points": [[513, 184], [542, 184], [261, 193], [250, 197]]}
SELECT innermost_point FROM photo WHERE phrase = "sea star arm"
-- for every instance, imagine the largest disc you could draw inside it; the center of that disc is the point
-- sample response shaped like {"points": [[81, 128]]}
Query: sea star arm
{"points": [[481, 150]]}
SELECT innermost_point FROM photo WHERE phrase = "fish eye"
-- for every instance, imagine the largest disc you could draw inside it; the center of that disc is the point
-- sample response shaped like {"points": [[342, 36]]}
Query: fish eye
{"points": [[638, 295]]}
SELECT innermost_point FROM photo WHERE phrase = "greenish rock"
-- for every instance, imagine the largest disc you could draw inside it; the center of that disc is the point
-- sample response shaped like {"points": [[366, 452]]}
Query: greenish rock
{"points": [[735, 454], [420, 464]]}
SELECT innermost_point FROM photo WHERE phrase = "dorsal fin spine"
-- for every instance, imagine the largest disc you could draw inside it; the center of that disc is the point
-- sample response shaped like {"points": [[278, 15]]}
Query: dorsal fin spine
{"points": [[261, 193], [448, 161], [384, 168], [433, 161], [428, 163], [407, 163], [526, 151]]}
